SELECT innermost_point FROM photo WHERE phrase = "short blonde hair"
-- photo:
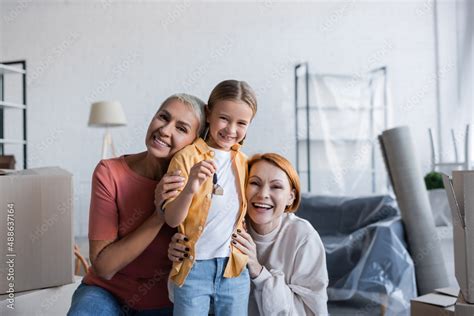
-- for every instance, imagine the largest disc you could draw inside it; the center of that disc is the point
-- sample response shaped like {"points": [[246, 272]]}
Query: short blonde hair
{"points": [[282, 163], [194, 103]]}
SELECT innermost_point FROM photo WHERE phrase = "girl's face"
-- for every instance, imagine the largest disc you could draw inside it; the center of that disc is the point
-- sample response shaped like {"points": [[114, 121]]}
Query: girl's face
{"points": [[228, 122], [268, 194], [174, 126]]}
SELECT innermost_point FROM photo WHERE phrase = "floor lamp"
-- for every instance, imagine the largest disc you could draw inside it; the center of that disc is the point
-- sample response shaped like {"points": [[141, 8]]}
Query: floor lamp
{"points": [[107, 114]]}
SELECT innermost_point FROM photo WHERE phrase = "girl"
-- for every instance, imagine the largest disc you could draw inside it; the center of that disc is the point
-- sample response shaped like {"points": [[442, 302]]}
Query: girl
{"points": [[211, 206]]}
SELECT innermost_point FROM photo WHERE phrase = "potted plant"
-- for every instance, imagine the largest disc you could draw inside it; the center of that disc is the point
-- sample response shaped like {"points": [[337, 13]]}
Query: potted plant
{"points": [[438, 198]]}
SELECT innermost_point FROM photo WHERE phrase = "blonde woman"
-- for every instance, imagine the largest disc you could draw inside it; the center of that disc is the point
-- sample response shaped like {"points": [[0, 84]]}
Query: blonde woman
{"points": [[128, 236]]}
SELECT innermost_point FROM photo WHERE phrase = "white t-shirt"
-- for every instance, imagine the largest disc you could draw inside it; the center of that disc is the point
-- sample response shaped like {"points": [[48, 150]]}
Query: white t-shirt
{"points": [[216, 237]]}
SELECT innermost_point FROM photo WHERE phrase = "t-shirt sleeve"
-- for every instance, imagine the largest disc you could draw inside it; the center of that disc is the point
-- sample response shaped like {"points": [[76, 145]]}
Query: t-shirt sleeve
{"points": [[178, 162], [103, 212]]}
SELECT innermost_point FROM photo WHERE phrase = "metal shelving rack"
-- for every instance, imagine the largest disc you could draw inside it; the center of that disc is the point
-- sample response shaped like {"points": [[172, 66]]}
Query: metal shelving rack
{"points": [[7, 68], [302, 75]]}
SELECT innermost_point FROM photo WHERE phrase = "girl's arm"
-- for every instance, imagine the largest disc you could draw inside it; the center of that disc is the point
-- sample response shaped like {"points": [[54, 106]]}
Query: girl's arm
{"points": [[177, 209], [110, 256]]}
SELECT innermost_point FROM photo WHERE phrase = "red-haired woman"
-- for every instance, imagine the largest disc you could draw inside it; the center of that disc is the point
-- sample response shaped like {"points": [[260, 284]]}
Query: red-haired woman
{"points": [[287, 262]]}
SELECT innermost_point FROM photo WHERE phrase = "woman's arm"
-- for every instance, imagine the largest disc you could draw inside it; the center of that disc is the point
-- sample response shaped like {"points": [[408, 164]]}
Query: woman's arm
{"points": [[303, 290], [178, 249], [110, 256], [244, 242]]}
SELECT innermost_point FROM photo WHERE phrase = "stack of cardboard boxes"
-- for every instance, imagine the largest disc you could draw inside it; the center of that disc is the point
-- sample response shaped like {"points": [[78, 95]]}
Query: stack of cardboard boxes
{"points": [[36, 235], [460, 191], [440, 303]]}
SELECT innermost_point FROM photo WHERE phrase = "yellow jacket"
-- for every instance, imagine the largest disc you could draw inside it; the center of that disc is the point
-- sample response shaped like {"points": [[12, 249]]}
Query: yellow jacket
{"points": [[194, 223]]}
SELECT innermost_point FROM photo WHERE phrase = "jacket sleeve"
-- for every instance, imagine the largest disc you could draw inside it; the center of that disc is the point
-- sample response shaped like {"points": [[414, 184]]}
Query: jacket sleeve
{"points": [[178, 162], [306, 288]]}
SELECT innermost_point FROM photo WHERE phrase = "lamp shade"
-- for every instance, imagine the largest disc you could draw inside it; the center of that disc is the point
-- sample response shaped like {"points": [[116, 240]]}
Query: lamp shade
{"points": [[107, 113]]}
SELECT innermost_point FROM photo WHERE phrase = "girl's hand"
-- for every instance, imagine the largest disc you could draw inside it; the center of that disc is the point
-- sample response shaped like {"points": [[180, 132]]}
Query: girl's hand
{"points": [[177, 249], [199, 173], [167, 188], [244, 242]]}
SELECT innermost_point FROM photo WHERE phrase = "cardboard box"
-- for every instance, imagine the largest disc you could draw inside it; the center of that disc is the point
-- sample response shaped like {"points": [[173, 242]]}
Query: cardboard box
{"points": [[463, 308], [36, 234], [440, 303], [51, 301], [460, 191]]}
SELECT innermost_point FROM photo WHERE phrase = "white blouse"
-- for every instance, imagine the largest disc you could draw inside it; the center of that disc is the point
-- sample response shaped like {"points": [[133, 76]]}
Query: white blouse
{"points": [[294, 277]]}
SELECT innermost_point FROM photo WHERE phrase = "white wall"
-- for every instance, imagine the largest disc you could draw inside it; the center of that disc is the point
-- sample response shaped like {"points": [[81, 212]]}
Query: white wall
{"points": [[140, 53]]}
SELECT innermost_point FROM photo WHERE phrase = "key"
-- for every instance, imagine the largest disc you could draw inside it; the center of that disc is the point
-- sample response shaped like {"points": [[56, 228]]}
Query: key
{"points": [[217, 190]]}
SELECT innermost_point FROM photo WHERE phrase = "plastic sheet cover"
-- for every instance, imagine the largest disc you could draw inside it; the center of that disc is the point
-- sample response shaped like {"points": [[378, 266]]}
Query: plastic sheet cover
{"points": [[368, 264], [346, 115]]}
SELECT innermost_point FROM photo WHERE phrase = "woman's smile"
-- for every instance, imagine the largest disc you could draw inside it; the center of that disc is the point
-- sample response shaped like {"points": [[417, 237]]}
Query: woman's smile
{"points": [[158, 142], [262, 207]]}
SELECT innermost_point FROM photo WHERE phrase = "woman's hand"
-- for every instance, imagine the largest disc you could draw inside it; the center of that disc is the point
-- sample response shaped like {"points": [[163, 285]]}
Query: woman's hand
{"points": [[168, 187], [244, 242], [199, 173], [177, 249]]}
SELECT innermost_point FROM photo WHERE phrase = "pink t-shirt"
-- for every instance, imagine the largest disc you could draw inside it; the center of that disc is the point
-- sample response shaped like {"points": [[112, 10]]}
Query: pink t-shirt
{"points": [[122, 200]]}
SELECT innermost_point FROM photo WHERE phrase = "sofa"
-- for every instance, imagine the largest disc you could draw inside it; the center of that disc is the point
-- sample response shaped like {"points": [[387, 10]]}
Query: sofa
{"points": [[370, 270]]}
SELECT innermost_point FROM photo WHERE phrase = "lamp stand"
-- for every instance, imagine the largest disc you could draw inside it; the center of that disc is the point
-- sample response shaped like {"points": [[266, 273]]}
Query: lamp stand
{"points": [[108, 144]]}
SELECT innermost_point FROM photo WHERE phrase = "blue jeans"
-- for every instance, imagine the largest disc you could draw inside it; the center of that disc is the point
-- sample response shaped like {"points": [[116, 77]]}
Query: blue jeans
{"points": [[94, 300], [206, 282]]}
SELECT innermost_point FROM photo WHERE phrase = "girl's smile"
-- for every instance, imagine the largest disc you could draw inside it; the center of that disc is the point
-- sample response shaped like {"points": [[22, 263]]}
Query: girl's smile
{"points": [[228, 122]]}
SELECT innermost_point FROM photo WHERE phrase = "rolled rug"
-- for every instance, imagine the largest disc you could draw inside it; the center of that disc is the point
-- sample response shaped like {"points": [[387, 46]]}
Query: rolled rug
{"points": [[407, 181]]}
